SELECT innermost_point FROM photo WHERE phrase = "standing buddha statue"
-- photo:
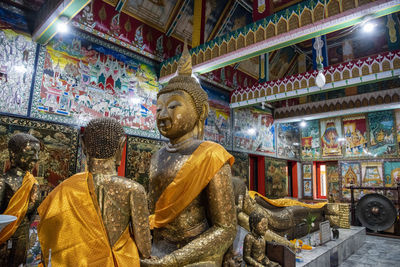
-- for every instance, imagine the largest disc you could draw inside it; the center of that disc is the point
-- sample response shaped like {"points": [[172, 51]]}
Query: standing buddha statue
{"points": [[190, 190], [19, 196], [96, 218]]}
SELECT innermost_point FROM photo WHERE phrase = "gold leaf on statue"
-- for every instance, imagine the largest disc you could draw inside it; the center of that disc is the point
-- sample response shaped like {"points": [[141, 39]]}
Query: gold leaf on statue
{"points": [[185, 62]]}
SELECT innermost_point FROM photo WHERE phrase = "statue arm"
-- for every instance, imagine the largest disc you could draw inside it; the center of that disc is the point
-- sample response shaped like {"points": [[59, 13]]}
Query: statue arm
{"points": [[140, 221], [153, 166], [273, 237], [247, 247], [2, 194]]}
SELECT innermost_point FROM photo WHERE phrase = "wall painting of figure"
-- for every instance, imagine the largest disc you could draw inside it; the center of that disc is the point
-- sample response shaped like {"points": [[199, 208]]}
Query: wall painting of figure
{"points": [[80, 78], [138, 158], [307, 180], [288, 140], [355, 134], [17, 62], [351, 175], [254, 130], [276, 178], [397, 115], [310, 142], [331, 138], [392, 173], [58, 154], [382, 141], [372, 175], [241, 167], [332, 171]]}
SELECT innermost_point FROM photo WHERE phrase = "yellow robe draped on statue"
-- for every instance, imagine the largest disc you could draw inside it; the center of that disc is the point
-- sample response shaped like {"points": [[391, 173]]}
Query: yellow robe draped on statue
{"points": [[18, 206], [190, 180], [71, 226], [287, 202]]}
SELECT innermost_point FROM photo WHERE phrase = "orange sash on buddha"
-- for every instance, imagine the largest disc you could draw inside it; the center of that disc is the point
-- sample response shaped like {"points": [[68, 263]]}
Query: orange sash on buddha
{"points": [[287, 202], [18, 206], [190, 180], [71, 226]]}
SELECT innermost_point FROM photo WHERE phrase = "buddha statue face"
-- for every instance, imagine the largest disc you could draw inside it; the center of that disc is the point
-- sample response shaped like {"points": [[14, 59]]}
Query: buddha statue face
{"points": [[176, 115], [26, 156], [262, 226]]}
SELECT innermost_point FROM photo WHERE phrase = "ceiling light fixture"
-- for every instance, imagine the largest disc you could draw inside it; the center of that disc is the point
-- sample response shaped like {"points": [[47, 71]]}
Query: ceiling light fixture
{"points": [[303, 124], [62, 24]]}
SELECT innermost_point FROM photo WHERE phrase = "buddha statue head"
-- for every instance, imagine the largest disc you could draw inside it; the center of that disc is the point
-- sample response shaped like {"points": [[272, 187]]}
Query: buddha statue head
{"points": [[24, 151], [104, 138], [182, 105], [258, 223]]}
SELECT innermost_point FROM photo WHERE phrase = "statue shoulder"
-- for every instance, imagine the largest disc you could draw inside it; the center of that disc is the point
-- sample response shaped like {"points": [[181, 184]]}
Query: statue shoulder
{"points": [[129, 184]]}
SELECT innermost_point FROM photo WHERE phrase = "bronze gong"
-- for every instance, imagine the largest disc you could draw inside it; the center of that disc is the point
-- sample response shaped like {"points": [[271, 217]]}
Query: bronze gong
{"points": [[376, 212]]}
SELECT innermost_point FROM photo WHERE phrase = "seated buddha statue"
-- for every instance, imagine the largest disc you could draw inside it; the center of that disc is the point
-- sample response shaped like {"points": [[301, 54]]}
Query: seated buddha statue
{"points": [[190, 190], [96, 218], [19, 196]]}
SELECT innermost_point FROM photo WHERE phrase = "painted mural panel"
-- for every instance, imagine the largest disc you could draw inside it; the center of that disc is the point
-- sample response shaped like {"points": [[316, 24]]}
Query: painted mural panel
{"points": [[218, 123], [331, 136], [58, 147], [372, 174], [254, 130], [382, 141], [276, 178], [241, 166], [307, 180], [17, 61], [78, 80], [310, 142], [355, 132], [288, 139], [351, 174], [332, 171], [138, 158], [392, 173]]}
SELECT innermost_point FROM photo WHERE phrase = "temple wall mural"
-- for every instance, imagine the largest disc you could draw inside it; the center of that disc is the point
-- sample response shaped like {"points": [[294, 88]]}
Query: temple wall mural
{"points": [[392, 173], [382, 141], [78, 79], [241, 167], [253, 130], [307, 171], [310, 141], [355, 132], [276, 178], [17, 63], [331, 138], [333, 175], [288, 144], [350, 175]]}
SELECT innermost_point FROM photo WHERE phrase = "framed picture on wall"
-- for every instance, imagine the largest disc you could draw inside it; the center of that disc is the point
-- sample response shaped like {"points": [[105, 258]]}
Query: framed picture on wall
{"points": [[307, 180]]}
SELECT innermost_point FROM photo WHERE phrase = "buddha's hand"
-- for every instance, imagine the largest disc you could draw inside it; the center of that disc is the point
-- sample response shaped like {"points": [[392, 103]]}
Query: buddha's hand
{"points": [[154, 261]]}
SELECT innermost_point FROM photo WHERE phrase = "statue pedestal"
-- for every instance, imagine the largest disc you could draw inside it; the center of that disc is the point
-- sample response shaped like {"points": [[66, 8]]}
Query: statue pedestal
{"points": [[334, 252]]}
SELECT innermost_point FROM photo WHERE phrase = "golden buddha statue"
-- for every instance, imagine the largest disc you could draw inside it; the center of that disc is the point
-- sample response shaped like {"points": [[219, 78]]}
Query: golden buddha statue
{"points": [[190, 189], [19, 196], [254, 245], [96, 217]]}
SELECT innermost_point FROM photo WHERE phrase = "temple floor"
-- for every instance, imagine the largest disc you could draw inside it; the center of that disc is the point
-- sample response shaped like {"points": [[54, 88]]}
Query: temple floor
{"points": [[376, 251]]}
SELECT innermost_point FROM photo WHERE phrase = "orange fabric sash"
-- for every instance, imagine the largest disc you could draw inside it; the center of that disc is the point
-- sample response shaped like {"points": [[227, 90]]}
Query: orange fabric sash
{"points": [[286, 202], [18, 206], [72, 228], [190, 180]]}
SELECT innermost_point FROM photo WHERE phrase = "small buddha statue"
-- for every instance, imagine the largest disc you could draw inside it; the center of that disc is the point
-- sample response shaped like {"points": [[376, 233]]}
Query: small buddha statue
{"points": [[254, 246], [96, 218], [190, 190], [19, 196]]}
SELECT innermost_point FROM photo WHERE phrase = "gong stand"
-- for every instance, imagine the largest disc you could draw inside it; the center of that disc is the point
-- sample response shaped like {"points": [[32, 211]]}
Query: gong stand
{"points": [[375, 206]]}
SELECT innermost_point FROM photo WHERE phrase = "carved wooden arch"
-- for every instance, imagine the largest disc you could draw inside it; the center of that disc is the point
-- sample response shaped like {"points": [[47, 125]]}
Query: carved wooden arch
{"points": [[344, 105], [336, 76], [379, 100], [250, 38], [163, 71], [296, 85], [275, 90], [333, 8], [318, 13], [270, 32], [325, 108], [231, 45], [269, 91], [364, 102], [396, 63], [263, 92], [328, 78], [260, 34], [331, 107], [294, 22], [313, 110], [223, 49], [194, 59], [233, 99], [395, 98], [385, 65], [174, 67], [351, 104], [387, 99], [375, 67], [240, 42], [244, 97], [348, 4], [365, 70], [169, 69], [303, 83], [282, 88], [215, 51], [338, 106], [346, 74], [311, 82], [282, 26], [306, 17], [372, 101], [355, 73], [207, 55], [308, 110], [292, 113], [320, 109], [289, 87], [200, 57], [358, 103], [256, 94]]}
